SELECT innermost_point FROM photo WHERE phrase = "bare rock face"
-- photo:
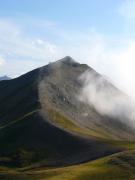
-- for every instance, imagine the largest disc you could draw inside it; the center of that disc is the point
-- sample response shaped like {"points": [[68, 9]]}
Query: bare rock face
{"points": [[60, 91]]}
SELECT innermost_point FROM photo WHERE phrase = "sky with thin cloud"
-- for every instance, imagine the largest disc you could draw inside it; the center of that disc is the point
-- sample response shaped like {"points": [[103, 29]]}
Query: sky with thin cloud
{"points": [[98, 33]]}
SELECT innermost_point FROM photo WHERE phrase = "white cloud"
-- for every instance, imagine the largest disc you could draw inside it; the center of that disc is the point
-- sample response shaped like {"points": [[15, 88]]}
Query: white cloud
{"points": [[123, 71], [116, 63], [15, 44], [113, 58], [2, 61], [23, 53], [14, 68], [127, 8]]}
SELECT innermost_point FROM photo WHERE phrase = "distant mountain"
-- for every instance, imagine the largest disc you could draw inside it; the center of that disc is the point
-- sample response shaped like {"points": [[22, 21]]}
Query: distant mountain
{"points": [[42, 121], [4, 78]]}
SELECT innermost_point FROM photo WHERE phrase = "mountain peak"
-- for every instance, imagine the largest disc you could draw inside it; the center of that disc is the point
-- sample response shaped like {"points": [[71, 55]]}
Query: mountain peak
{"points": [[68, 60]]}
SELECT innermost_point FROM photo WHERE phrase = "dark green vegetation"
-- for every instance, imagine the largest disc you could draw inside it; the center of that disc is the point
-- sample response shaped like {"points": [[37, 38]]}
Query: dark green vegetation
{"points": [[120, 166], [44, 133]]}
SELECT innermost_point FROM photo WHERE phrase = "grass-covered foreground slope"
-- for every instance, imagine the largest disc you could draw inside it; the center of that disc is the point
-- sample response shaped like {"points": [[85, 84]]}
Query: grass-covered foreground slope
{"points": [[34, 141], [120, 166]]}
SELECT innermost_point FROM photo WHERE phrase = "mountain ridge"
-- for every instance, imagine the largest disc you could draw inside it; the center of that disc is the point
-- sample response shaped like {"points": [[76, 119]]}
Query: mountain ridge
{"points": [[41, 119]]}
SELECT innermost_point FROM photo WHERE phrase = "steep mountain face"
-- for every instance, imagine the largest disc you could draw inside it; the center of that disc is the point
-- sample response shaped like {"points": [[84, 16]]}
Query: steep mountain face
{"points": [[4, 78], [43, 121], [59, 94]]}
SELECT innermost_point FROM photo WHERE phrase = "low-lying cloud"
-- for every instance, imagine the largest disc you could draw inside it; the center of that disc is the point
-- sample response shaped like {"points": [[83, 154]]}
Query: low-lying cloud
{"points": [[99, 93]]}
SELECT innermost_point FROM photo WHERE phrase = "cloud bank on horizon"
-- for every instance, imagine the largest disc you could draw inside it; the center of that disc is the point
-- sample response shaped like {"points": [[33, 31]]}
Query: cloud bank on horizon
{"points": [[27, 42]]}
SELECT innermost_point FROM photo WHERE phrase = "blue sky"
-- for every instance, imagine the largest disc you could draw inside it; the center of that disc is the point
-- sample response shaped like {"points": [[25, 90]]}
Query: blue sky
{"points": [[75, 14], [100, 33]]}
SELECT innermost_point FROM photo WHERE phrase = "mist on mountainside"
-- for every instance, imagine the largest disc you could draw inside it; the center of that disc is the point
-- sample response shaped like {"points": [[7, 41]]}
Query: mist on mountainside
{"points": [[86, 97], [106, 98]]}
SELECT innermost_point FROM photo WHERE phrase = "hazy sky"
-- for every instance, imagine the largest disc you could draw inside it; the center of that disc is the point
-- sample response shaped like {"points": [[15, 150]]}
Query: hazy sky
{"points": [[100, 33]]}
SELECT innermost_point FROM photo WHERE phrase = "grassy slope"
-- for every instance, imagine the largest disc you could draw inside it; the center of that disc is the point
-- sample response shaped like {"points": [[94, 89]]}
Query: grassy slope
{"points": [[60, 120], [47, 144], [118, 166]]}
